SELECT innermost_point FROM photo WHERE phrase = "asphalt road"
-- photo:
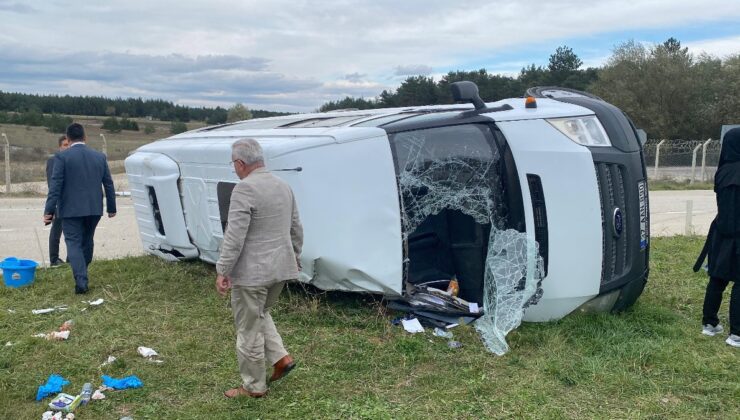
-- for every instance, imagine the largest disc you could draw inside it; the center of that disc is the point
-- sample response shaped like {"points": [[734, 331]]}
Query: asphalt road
{"points": [[21, 224]]}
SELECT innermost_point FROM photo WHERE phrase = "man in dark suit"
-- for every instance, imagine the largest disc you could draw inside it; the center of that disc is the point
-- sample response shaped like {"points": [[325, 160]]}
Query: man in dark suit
{"points": [[76, 197], [55, 234]]}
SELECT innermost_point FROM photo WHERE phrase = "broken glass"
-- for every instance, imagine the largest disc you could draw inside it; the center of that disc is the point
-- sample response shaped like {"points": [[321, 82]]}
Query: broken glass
{"points": [[437, 174]]}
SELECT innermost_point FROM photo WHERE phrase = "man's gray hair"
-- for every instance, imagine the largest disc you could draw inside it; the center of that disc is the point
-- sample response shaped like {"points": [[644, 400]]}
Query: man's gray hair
{"points": [[248, 151]]}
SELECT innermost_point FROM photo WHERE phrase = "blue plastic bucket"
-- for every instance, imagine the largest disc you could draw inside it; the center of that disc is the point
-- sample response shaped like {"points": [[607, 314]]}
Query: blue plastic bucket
{"points": [[18, 273]]}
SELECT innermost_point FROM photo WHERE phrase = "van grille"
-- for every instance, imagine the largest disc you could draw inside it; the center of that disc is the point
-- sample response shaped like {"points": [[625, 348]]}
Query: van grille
{"points": [[615, 248]]}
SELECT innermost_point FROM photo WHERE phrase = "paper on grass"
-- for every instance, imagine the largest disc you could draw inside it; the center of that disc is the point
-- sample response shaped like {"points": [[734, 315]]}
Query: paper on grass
{"points": [[412, 325]]}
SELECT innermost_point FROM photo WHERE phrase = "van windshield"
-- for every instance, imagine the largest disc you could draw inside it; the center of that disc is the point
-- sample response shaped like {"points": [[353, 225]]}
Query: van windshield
{"points": [[456, 219]]}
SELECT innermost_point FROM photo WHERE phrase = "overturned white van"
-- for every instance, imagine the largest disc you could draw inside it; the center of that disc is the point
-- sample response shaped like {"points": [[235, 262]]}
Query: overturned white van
{"points": [[537, 206]]}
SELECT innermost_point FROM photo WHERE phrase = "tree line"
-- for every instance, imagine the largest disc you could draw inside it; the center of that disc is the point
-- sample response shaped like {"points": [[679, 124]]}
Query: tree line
{"points": [[24, 103], [666, 90]]}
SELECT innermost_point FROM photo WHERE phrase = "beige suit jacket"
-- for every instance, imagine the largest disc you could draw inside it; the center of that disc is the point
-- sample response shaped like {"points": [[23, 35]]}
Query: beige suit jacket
{"points": [[263, 239]]}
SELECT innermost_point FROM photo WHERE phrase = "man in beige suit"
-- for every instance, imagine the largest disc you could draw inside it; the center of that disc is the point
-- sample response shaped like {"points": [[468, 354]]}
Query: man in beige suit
{"points": [[261, 251]]}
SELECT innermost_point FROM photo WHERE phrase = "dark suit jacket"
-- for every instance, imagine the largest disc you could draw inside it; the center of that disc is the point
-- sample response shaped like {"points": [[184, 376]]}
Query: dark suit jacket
{"points": [[75, 188], [49, 169]]}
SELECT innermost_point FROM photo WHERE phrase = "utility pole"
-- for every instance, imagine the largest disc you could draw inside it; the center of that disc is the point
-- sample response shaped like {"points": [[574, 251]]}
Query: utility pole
{"points": [[7, 163], [105, 145]]}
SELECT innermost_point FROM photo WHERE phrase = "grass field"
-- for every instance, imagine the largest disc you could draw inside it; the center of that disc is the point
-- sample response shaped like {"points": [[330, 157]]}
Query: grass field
{"points": [[650, 362], [667, 185], [31, 146]]}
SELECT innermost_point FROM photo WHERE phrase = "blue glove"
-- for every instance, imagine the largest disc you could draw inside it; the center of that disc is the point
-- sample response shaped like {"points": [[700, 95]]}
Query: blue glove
{"points": [[52, 386], [123, 383]]}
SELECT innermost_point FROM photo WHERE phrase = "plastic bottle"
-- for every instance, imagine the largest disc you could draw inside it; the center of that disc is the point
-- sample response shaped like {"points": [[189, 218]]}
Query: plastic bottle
{"points": [[86, 394]]}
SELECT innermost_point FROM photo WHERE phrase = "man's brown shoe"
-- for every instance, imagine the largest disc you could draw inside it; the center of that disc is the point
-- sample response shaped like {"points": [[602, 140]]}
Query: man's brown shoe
{"points": [[241, 392], [282, 368]]}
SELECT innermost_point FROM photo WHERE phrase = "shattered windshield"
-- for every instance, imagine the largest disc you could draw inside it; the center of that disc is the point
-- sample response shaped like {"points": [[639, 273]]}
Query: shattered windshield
{"points": [[455, 224]]}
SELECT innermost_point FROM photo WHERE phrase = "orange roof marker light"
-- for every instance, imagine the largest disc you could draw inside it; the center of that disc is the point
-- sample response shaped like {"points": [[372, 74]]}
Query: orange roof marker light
{"points": [[530, 102]]}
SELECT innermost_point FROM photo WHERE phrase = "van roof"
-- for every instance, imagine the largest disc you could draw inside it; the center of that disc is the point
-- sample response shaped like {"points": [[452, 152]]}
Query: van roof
{"points": [[290, 132]]}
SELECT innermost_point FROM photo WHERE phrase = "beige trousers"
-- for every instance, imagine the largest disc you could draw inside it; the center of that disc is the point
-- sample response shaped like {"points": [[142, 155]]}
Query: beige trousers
{"points": [[257, 339]]}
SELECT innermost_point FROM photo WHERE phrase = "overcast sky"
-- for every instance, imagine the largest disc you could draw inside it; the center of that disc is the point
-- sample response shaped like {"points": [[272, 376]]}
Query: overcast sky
{"points": [[296, 55]]}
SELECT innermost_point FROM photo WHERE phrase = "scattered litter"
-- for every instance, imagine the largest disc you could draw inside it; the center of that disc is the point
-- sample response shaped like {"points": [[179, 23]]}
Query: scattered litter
{"points": [[104, 388], [53, 385], [48, 310], [108, 361], [8, 344], [54, 335], [454, 344], [412, 325], [122, 383], [50, 415], [442, 333], [473, 307], [97, 395], [70, 416], [65, 402], [126, 418], [146, 351], [67, 325], [451, 326], [12, 311], [95, 302]]}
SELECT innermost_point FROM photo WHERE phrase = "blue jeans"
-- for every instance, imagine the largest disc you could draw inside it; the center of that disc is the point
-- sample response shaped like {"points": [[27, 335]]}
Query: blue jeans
{"points": [[78, 235]]}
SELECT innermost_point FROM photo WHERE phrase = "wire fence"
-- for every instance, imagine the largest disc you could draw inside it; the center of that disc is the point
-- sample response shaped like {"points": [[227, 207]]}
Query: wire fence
{"points": [[682, 160]]}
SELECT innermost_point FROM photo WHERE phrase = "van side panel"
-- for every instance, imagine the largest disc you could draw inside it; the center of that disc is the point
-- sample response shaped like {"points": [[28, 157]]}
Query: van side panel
{"points": [[573, 212]]}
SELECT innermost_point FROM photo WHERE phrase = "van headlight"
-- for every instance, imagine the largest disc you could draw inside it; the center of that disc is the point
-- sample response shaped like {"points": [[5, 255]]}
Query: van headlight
{"points": [[586, 131]]}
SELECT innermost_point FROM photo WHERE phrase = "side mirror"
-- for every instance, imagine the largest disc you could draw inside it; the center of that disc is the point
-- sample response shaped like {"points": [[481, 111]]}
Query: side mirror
{"points": [[467, 92]]}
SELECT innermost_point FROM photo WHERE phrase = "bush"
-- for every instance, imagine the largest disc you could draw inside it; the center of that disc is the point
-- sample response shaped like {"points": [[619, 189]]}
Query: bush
{"points": [[178, 127], [130, 125], [57, 123], [149, 129], [112, 125]]}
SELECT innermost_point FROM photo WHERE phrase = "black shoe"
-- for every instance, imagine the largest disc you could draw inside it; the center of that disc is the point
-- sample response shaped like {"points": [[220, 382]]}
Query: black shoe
{"points": [[80, 290], [57, 263]]}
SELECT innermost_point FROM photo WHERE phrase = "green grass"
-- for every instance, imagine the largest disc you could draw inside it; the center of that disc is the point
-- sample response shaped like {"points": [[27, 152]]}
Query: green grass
{"points": [[648, 362]]}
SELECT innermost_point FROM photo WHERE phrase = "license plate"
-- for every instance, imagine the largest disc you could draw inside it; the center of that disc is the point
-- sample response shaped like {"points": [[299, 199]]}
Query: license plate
{"points": [[644, 227]]}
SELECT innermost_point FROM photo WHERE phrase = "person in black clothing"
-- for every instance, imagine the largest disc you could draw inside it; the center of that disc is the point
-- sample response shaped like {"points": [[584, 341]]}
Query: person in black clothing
{"points": [[55, 234], [723, 242]]}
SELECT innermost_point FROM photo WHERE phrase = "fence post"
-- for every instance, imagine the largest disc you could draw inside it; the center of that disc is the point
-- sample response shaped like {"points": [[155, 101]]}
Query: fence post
{"points": [[693, 163], [657, 158], [7, 163], [105, 145], [704, 160]]}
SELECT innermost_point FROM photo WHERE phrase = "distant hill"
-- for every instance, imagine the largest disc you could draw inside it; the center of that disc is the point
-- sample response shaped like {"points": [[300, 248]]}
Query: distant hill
{"points": [[119, 107]]}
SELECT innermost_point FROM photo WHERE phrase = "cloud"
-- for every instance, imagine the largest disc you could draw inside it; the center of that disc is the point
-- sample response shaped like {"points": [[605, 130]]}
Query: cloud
{"points": [[15, 7], [720, 47], [300, 54], [413, 70]]}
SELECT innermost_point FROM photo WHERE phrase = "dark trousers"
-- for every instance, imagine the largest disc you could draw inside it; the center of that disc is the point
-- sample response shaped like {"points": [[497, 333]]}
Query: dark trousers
{"points": [[713, 299], [55, 234], [78, 235]]}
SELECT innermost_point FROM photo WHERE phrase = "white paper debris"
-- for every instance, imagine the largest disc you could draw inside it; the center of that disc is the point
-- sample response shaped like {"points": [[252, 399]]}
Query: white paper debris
{"points": [[12, 311], [54, 335], [108, 361], [474, 307], [48, 310], [95, 302], [8, 344], [97, 395], [70, 416], [412, 325], [146, 352]]}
